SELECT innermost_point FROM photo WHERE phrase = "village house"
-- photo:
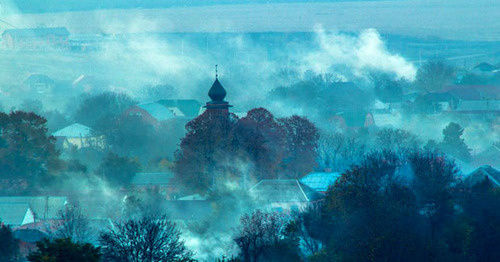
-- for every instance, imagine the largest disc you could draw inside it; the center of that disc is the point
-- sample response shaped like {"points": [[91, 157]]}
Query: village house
{"points": [[16, 214], [353, 120], [79, 136], [160, 181], [482, 173], [40, 83], [284, 195], [40, 38], [160, 111], [489, 156], [43, 207]]}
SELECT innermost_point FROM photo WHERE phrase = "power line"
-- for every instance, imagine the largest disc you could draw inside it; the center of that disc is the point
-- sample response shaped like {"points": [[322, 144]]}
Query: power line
{"points": [[7, 23]]}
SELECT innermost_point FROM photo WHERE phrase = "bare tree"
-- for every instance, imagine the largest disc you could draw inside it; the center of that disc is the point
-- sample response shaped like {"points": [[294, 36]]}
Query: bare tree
{"points": [[259, 233], [151, 238], [339, 151], [73, 224]]}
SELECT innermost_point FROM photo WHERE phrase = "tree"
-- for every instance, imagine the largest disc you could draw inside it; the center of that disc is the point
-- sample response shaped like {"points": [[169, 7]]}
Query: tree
{"points": [[396, 140], [434, 75], [301, 138], [63, 250], [308, 228], [482, 215], [259, 139], [262, 236], [156, 92], [9, 246], [202, 158], [27, 153], [339, 151], [97, 109], [151, 238], [387, 89], [453, 144], [117, 170], [73, 225], [391, 207]]}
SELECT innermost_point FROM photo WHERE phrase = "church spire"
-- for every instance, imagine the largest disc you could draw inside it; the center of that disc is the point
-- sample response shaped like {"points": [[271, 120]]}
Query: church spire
{"points": [[217, 93]]}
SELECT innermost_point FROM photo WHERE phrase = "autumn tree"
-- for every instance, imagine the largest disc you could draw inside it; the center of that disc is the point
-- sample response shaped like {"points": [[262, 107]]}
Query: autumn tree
{"points": [[63, 250], [202, 159], [150, 238], [27, 153], [259, 139]]}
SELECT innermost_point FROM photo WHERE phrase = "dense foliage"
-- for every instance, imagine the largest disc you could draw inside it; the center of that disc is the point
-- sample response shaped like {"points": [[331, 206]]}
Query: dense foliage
{"points": [[63, 250], [27, 154], [9, 246], [219, 148]]}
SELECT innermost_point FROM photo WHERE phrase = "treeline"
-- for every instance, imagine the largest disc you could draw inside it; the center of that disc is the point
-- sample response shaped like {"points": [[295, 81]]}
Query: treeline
{"points": [[391, 207]]}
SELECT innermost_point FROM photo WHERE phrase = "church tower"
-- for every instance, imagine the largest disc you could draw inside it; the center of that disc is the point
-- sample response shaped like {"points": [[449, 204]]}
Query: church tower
{"points": [[217, 93]]}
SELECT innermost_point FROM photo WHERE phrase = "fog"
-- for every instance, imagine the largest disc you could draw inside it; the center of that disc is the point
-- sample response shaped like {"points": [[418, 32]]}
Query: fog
{"points": [[107, 105]]}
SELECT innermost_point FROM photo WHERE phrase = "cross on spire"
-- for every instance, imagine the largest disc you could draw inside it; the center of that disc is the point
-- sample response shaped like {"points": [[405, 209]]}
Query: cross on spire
{"points": [[216, 72]]}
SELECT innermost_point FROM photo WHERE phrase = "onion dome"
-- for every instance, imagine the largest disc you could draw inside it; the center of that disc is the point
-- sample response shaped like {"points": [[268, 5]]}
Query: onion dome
{"points": [[217, 91]]}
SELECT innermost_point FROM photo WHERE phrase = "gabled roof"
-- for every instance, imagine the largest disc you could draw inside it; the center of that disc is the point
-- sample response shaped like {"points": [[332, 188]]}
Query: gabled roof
{"points": [[15, 214], [152, 179], [157, 111], [74, 130], [284, 190], [320, 181], [44, 207], [38, 78], [353, 119], [482, 173], [489, 156], [37, 32], [189, 107]]}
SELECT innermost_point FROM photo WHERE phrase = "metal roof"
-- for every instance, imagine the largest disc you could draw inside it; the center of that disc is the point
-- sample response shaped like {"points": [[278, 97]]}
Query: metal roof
{"points": [[74, 130], [37, 32], [157, 111], [320, 181], [284, 190], [14, 213], [189, 107], [44, 207], [154, 179]]}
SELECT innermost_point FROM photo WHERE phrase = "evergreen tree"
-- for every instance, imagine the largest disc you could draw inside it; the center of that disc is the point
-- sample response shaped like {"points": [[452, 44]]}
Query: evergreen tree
{"points": [[453, 144]]}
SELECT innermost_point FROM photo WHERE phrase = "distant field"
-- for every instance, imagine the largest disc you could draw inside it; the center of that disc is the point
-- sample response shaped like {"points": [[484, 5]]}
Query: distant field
{"points": [[458, 20]]}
